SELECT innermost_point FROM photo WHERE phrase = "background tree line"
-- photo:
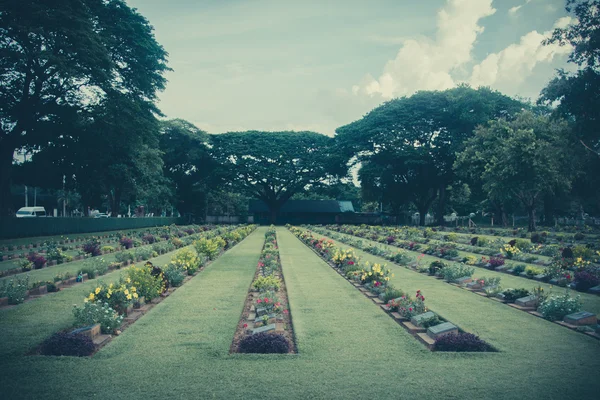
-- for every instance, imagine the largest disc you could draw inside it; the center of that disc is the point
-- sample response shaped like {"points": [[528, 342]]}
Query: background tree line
{"points": [[78, 90]]}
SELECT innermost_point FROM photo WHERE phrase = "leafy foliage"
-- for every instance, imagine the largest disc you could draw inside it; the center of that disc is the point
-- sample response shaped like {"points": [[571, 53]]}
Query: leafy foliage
{"points": [[264, 343], [461, 341], [68, 344]]}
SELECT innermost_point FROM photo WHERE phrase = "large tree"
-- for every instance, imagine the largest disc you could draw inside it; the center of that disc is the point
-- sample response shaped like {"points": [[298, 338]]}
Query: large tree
{"points": [[118, 154], [578, 93], [188, 164], [524, 159], [414, 139], [61, 58], [273, 166]]}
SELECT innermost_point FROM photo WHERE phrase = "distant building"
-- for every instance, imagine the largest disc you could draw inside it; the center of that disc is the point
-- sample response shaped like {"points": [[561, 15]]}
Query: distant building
{"points": [[302, 212]]}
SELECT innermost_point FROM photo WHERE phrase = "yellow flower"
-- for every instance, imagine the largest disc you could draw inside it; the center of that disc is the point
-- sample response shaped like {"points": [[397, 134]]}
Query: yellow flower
{"points": [[85, 300], [92, 297], [135, 295], [128, 297], [387, 278], [128, 280], [133, 289], [98, 290], [126, 292]]}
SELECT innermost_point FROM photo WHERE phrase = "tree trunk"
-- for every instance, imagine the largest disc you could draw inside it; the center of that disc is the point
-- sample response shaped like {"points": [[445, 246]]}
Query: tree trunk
{"points": [[6, 159], [531, 214], [548, 210], [115, 203], [273, 216], [504, 218], [441, 205]]}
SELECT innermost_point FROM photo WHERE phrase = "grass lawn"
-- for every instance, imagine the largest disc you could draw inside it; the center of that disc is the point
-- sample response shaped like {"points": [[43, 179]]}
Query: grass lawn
{"points": [[591, 302], [348, 348]]}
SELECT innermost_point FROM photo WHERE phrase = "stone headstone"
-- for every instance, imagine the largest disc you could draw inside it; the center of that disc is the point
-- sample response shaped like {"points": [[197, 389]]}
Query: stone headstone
{"points": [[259, 319], [440, 330], [464, 280], [581, 318], [528, 301], [595, 289], [474, 285], [418, 319], [260, 311], [90, 331], [267, 328]]}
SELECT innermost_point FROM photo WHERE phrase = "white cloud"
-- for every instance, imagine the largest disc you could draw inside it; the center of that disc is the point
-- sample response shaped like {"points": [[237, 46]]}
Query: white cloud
{"points": [[426, 64], [514, 10], [517, 61]]}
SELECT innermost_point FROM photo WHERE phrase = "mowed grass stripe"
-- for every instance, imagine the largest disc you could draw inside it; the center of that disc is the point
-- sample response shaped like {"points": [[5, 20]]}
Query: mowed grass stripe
{"points": [[201, 316], [591, 302], [332, 319], [508, 329], [24, 326]]}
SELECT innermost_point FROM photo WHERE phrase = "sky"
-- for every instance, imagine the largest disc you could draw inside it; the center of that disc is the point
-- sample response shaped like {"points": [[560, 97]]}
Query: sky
{"points": [[317, 65]]}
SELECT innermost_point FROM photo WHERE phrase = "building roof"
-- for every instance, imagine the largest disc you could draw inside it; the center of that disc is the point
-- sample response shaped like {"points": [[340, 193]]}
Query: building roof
{"points": [[305, 206]]}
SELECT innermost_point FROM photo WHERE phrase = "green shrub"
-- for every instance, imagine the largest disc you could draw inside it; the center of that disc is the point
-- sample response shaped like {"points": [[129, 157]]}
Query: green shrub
{"points": [[147, 285], [391, 293], [267, 283], [264, 343], [98, 313], [555, 308], [124, 256], [455, 271], [68, 344], [435, 267], [432, 321], [519, 268], [510, 295], [15, 289], [174, 275], [532, 271], [95, 267]]}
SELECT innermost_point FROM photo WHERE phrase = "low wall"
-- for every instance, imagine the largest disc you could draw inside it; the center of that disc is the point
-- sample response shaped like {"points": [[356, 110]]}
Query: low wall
{"points": [[12, 227]]}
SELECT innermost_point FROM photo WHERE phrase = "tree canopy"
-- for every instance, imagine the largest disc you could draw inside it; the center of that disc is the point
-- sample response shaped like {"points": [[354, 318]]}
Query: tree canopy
{"points": [[413, 140], [60, 59], [273, 166], [523, 159]]}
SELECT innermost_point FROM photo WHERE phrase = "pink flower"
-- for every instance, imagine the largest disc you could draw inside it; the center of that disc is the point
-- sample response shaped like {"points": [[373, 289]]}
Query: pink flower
{"points": [[285, 311], [266, 299], [258, 300]]}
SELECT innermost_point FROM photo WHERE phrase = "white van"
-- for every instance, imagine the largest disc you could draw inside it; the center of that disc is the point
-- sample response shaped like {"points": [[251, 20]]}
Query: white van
{"points": [[28, 212]]}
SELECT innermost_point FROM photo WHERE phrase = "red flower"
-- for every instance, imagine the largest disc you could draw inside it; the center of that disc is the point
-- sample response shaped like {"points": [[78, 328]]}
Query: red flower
{"points": [[266, 299], [350, 262], [285, 311], [258, 300], [410, 309], [245, 326]]}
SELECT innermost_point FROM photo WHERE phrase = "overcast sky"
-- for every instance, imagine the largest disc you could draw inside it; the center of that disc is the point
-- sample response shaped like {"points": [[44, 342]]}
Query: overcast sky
{"points": [[318, 65]]}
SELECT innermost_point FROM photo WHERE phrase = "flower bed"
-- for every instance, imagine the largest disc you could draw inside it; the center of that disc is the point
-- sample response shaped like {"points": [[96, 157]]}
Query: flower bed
{"points": [[373, 281], [539, 303], [266, 324], [114, 307]]}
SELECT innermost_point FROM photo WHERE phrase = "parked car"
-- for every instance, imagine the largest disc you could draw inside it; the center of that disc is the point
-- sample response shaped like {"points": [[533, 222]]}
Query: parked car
{"points": [[101, 215], [30, 212]]}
